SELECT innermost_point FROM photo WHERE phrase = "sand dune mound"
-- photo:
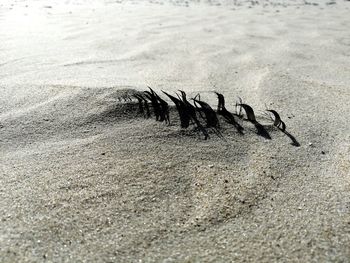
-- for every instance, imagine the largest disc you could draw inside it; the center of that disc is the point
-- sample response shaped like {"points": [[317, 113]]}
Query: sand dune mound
{"points": [[95, 164]]}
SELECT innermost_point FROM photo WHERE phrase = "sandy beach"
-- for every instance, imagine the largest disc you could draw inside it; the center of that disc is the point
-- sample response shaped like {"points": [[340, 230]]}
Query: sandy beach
{"points": [[84, 177]]}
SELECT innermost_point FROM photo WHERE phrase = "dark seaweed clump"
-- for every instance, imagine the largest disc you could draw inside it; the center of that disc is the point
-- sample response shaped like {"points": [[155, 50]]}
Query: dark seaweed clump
{"points": [[202, 115]]}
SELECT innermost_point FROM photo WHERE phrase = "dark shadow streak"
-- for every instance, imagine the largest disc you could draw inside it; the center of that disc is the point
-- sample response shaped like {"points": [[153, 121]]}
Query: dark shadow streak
{"points": [[294, 140], [261, 130]]}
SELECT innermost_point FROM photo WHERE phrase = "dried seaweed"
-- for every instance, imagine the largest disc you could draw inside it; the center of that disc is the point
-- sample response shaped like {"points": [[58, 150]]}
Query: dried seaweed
{"points": [[226, 114], [163, 107], [249, 112], [251, 117], [210, 115], [277, 121], [155, 104], [282, 127], [191, 111], [180, 106]]}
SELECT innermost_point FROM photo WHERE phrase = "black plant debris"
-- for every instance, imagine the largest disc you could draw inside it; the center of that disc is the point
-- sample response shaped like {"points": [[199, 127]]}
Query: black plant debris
{"points": [[201, 114], [251, 117], [282, 127], [226, 114]]}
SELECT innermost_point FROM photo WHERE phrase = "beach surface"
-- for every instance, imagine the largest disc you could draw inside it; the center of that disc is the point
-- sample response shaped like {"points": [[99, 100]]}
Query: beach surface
{"points": [[85, 178]]}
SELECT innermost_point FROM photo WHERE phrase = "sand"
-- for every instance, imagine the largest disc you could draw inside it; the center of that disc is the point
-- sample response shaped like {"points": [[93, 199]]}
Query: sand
{"points": [[85, 178]]}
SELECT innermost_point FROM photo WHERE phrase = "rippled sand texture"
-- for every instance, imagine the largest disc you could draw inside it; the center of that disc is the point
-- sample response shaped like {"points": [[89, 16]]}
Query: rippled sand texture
{"points": [[83, 177]]}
